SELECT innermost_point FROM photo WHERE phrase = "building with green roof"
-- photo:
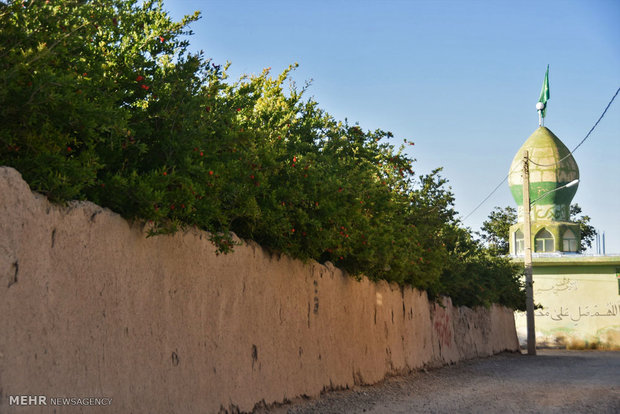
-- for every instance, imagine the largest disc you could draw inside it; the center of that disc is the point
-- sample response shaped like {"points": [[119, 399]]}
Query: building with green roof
{"points": [[579, 294], [552, 168]]}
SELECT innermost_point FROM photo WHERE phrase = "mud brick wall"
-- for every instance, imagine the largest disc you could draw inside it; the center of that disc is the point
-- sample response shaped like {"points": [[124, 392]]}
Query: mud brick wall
{"points": [[92, 308]]}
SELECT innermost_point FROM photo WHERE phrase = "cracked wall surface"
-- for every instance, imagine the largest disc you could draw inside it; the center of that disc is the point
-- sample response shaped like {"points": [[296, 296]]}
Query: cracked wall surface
{"points": [[91, 307]]}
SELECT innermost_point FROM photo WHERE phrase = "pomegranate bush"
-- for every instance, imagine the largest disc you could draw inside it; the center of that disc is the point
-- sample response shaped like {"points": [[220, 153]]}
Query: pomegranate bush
{"points": [[102, 101]]}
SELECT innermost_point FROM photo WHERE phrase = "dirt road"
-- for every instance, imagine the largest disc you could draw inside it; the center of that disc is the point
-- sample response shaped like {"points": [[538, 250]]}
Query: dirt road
{"points": [[554, 381]]}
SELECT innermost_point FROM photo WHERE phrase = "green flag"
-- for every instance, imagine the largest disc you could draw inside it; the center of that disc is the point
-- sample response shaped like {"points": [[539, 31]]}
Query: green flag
{"points": [[544, 93]]}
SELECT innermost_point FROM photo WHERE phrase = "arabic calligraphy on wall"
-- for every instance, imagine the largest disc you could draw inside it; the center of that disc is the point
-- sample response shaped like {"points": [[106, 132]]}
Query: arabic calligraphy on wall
{"points": [[559, 286], [575, 315]]}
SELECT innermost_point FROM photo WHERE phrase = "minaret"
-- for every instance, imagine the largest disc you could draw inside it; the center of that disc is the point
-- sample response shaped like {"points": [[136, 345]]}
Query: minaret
{"points": [[552, 167], [553, 174]]}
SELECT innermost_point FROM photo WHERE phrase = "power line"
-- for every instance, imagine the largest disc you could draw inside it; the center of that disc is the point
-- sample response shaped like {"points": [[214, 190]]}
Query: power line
{"points": [[487, 197], [584, 139], [548, 165]]}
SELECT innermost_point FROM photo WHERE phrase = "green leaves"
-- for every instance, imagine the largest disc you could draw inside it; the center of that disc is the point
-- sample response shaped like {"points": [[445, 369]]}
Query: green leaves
{"points": [[101, 101], [588, 232], [496, 229]]}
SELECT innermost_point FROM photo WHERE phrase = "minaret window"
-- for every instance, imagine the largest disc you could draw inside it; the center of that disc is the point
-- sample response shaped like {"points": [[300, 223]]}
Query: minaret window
{"points": [[519, 243], [569, 241], [544, 241]]}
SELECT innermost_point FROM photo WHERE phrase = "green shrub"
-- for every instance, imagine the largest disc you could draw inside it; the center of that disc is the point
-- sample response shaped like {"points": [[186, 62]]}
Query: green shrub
{"points": [[101, 101]]}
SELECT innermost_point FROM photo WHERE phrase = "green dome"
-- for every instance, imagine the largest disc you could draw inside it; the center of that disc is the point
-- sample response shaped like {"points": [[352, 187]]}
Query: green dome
{"points": [[547, 173]]}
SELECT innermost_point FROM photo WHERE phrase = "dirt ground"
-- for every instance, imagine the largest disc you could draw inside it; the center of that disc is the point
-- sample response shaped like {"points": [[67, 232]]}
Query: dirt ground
{"points": [[554, 381]]}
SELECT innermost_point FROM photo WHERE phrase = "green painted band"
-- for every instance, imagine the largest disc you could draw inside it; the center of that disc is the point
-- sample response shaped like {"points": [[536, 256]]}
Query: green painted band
{"points": [[563, 196]]}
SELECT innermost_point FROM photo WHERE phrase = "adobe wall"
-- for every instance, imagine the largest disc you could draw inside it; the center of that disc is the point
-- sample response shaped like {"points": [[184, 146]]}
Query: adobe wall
{"points": [[92, 308]]}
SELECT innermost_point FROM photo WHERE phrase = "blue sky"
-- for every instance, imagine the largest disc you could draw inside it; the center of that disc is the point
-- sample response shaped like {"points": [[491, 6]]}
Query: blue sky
{"points": [[459, 78]]}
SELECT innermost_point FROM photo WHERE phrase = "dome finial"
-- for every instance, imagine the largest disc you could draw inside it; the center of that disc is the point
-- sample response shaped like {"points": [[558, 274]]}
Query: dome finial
{"points": [[541, 106]]}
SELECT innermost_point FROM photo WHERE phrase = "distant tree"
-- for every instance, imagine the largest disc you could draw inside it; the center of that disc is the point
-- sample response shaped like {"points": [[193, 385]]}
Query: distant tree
{"points": [[588, 232], [495, 231]]}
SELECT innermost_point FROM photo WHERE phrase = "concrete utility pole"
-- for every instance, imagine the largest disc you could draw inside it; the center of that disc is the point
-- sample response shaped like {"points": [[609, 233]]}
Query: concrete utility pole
{"points": [[527, 244]]}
